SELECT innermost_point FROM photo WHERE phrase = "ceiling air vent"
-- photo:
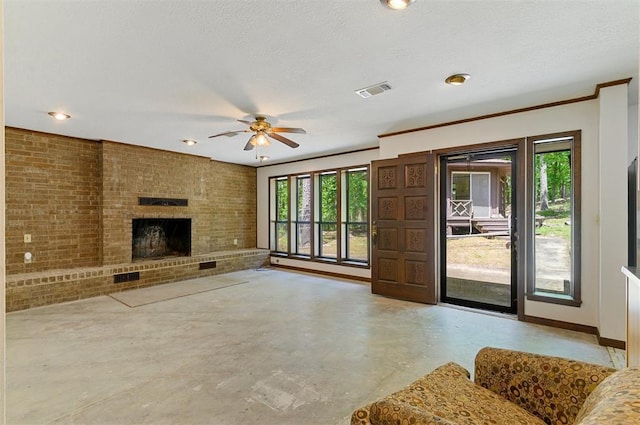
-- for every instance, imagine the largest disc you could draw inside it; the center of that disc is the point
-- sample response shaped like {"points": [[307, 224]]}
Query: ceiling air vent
{"points": [[373, 90]]}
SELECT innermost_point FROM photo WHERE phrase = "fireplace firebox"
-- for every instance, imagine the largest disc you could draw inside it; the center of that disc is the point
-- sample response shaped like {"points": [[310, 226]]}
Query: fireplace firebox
{"points": [[160, 237]]}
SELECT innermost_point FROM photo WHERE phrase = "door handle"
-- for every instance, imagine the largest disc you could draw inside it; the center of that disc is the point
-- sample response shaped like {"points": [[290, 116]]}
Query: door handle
{"points": [[374, 233]]}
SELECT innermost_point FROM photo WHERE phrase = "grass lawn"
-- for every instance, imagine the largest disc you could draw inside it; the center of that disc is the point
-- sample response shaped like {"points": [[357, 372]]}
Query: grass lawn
{"points": [[557, 222], [479, 251], [358, 247]]}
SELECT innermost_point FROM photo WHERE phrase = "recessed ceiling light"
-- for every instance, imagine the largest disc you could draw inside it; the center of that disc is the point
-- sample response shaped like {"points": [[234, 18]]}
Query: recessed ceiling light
{"points": [[397, 4], [190, 142], [59, 115], [457, 79], [263, 158]]}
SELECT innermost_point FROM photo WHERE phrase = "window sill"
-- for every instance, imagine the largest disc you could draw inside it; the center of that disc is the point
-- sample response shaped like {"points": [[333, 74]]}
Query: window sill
{"points": [[355, 264], [554, 299], [322, 260]]}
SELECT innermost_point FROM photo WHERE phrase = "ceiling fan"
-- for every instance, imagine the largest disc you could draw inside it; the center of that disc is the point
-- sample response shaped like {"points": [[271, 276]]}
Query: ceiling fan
{"points": [[262, 131]]}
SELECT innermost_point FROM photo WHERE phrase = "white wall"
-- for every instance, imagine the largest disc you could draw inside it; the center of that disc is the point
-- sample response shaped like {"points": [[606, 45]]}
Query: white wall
{"points": [[633, 132], [614, 141]]}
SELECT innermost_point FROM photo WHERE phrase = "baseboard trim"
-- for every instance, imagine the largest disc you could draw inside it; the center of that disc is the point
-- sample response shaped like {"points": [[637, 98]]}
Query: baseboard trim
{"points": [[606, 342], [562, 325], [321, 272]]}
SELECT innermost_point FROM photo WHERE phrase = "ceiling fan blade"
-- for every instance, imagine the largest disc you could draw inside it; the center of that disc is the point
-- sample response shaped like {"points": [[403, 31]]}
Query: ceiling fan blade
{"points": [[249, 146], [288, 130], [245, 122], [284, 140], [229, 133]]}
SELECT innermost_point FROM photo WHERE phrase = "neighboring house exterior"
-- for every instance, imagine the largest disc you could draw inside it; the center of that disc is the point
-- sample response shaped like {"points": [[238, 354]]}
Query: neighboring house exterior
{"points": [[476, 191]]}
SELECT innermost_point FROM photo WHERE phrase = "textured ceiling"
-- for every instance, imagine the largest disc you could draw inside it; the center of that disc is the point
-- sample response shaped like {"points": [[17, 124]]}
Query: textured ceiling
{"points": [[153, 73]]}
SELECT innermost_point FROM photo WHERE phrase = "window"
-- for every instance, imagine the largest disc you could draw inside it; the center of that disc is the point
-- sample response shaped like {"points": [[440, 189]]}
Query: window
{"points": [[460, 186], [302, 219], [356, 214], [554, 219], [327, 213], [474, 187], [279, 213]]}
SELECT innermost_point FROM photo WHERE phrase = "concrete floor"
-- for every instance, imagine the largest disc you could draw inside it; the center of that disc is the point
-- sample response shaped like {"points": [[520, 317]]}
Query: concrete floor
{"points": [[283, 348]]}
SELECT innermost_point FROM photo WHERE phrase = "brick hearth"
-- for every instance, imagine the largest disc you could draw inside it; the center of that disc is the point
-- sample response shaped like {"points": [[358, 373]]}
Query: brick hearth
{"points": [[30, 290]]}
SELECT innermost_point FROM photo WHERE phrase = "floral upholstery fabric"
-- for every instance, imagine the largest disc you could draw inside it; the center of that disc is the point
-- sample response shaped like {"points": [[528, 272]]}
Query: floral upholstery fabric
{"points": [[615, 401], [552, 388], [446, 396], [512, 388]]}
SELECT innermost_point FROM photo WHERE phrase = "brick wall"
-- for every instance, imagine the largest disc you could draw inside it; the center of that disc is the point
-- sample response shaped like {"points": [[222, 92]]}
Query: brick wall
{"points": [[77, 199], [52, 194], [221, 197]]}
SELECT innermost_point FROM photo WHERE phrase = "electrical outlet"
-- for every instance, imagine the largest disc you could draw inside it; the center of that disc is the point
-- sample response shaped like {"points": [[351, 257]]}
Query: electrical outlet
{"points": [[27, 238], [235, 241]]}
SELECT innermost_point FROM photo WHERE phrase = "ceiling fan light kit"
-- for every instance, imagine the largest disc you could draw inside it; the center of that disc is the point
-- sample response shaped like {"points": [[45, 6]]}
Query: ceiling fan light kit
{"points": [[260, 139], [262, 131], [397, 4]]}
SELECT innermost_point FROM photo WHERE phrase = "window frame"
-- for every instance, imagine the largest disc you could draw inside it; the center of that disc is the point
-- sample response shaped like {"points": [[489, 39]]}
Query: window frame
{"points": [[273, 212], [316, 216], [573, 298], [295, 219], [470, 175], [347, 222], [321, 222]]}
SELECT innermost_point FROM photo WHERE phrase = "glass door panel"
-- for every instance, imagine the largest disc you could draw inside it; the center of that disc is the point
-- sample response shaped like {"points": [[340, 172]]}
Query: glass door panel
{"points": [[478, 262]]}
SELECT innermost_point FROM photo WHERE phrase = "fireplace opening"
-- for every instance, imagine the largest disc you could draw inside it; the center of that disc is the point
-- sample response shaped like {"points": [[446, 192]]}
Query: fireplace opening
{"points": [[161, 237]]}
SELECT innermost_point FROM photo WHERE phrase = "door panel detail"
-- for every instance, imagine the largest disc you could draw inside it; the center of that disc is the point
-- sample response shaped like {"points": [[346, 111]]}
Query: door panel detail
{"points": [[415, 208], [387, 178], [415, 240], [415, 175], [388, 269], [388, 239], [387, 208], [415, 272]]}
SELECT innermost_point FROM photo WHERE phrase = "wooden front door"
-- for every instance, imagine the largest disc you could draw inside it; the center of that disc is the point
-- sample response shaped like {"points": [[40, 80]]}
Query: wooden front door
{"points": [[403, 233]]}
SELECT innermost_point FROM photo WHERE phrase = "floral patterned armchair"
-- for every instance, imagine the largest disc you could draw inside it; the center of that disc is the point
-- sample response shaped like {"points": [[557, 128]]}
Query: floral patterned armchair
{"points": [[513, 388]]}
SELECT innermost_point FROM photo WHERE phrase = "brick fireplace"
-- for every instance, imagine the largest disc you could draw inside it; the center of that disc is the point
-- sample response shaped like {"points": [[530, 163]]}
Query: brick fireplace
{"points": [[153, 238], [78, 199]]}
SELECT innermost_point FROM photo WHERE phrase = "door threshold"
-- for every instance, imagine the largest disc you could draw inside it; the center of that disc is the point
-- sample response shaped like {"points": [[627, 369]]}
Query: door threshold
{"points": [[511, 316]]}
